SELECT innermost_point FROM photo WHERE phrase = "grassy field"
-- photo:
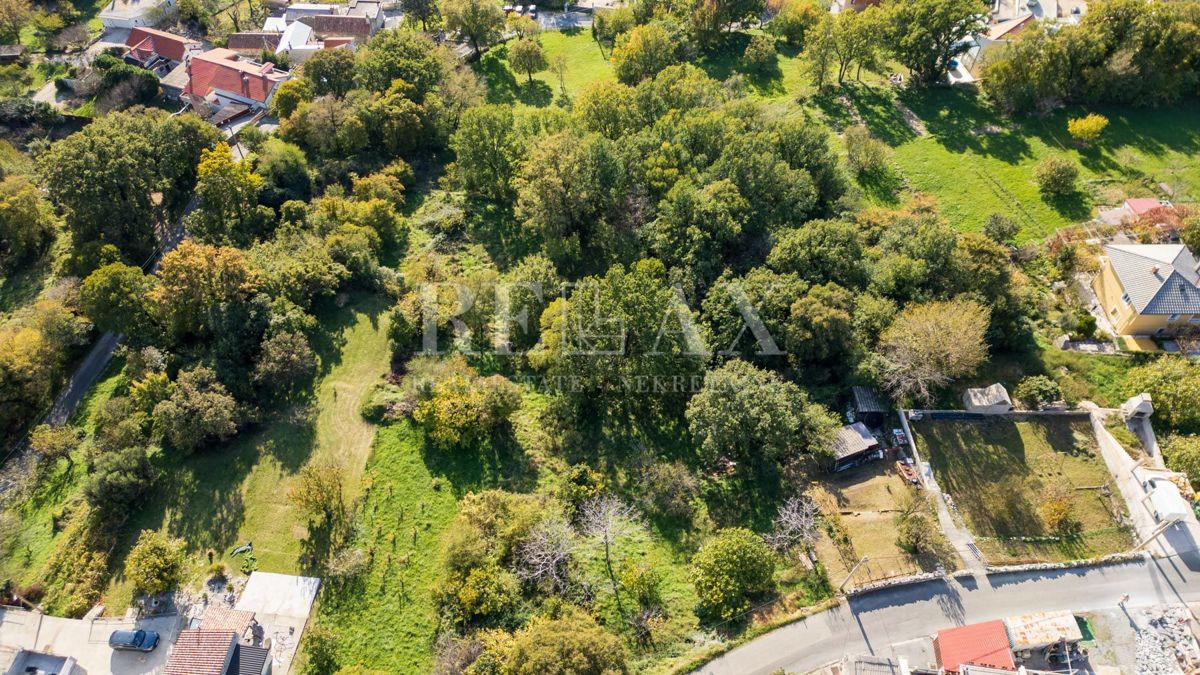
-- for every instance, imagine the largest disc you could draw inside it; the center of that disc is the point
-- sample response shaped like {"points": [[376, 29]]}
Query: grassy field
{"points": [[1001, 472], [977, 162], [227, 496], [866, 501]]}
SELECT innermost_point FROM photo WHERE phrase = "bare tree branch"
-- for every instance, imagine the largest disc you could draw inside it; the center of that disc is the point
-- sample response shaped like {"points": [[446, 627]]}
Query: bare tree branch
{"points": [[545, 556], [796, 524], [608, 520]]}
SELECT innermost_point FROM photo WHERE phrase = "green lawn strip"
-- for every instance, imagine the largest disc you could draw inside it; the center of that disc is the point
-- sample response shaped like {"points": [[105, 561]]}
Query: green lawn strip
{"points": [[223, 497], [586, 62], [387, 621], [23, 556], [1000, 471]]}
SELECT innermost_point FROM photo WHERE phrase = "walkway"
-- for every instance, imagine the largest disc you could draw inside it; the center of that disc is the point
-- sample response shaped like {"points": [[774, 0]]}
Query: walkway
{"points": [[871, 623]]}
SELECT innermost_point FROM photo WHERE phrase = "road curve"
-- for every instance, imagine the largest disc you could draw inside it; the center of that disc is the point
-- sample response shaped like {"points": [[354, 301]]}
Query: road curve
{"points": [[870, 623]]}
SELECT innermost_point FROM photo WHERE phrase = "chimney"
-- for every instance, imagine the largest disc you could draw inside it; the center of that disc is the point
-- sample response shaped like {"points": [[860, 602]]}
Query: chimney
{"points": [[1154, 270], [268, 67]]}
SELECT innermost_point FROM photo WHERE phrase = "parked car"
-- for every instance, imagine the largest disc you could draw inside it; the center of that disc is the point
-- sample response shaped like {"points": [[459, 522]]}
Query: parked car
{"points": [[133, 640]]}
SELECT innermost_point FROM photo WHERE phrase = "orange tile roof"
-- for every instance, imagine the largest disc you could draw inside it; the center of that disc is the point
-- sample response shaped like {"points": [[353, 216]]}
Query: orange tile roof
{"points": [[980, 644], [223, 69], [146, 41], [220, 617], [200, 652]]}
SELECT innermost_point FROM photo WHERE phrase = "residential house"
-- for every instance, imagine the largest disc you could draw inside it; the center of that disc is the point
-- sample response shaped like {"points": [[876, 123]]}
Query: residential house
{"points": [[982, 644], [1029, 633], [371, 9], [222, 77], [998, 35], [11, 53], [252, 44], [993, 400], [853, 445], [855, 5], [1148, 289], [327, 26], [210, 650], [134, 13]]}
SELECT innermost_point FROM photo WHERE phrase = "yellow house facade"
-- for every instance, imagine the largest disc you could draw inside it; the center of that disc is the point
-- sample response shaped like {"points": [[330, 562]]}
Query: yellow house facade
{"points": [[1149, 289]]}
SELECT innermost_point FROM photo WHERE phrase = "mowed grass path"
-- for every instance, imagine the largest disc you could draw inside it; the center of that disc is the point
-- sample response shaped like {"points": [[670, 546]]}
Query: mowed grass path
{"points": [[1001, 471], [223, 497]]}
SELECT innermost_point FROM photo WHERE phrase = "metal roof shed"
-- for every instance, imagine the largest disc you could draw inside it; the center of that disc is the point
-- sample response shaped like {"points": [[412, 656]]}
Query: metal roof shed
{"points": [[867, 407], [1041, 629]]}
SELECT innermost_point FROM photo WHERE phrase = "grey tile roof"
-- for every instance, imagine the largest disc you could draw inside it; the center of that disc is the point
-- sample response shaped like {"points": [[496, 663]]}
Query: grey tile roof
{"points": [[1158, 278]]}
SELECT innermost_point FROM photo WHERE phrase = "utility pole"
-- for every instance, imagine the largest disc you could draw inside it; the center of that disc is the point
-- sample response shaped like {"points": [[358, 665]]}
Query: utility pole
{"points": [[852, 571]]}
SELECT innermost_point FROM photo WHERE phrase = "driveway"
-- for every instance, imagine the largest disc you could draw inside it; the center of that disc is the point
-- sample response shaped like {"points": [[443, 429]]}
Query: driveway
{"points": [[871, 623], [87, 640]]}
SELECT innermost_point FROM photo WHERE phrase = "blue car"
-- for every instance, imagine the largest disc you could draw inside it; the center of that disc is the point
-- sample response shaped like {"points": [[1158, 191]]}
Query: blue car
{"points": [[133, 640]]}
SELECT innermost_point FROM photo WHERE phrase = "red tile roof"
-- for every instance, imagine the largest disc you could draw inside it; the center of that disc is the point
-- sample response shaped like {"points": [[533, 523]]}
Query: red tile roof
{"points": [[335, 42], [223, 69], [1140, 206], [200, 652], [980, 644], [144, 42]]}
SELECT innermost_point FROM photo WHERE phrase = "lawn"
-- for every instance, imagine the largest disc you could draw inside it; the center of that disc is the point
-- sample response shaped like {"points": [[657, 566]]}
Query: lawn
{"points": [[865, 502], [223, 497], [1001, 473], [978, 162]]}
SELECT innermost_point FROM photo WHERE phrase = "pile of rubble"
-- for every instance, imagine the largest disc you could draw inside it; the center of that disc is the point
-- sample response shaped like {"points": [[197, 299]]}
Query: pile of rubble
{"points": [[1165, 643]]}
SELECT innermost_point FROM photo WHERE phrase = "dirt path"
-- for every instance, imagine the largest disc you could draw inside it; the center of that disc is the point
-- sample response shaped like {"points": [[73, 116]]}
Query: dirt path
{"points": [[910, 118]]}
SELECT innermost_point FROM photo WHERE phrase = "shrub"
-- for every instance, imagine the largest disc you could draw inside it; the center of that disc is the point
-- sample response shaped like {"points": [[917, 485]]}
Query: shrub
{"points": [[1183, 455], [155, 564], [759, 54], [915, 533], [868, 157], [1001, 228], [1056, 176], [668, 489], [1038, 390], [1059, 516], [730, 569], [1087, 129], [794, 20]]}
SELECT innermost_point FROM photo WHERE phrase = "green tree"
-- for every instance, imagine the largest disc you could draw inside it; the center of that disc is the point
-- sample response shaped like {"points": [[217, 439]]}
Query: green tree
{"points": [[425, 11], [155, 563], [228, 193], [733, 568], [929, 345], [525, 56], [26, 220], [105, 176], [53, 443], [198, 411], [572, 644], [820, 251], [1056, 176], [760, 55], [1001, 228], [329, 126], [868, 157], [794, 20], [606, 107], [925, 35], [609, 336], [400, 54], [285, 362], [487, 153], [856, 41], [193, 280], [317, 491], [753, 415], [14, 14], [479, 21], [461, 409], [118, 479], [114, 298], [329, 71], [642, 53], [1173, 383], [289, 95], [820, 53], [696, 226], [821, 329]]}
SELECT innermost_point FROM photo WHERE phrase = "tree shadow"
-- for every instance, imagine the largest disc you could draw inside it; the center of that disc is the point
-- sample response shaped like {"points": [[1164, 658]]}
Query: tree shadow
{"points": [[334, 321], [961, 120], [535, 93], [497, 462], [1074, 205], [883, 186], [725, 61], [502, 86], [877, 107]]}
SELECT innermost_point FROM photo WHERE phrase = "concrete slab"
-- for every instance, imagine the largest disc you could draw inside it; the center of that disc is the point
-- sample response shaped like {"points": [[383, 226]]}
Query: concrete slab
{"points": [[281, 604], [87, 641]]}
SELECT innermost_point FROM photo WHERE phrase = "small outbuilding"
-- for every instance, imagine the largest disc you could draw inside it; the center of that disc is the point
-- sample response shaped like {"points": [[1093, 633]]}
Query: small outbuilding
{"points": [[1137, 407], [980, 644], [1164, 499], [854, 445], [1039, 630], [868, 409], [993, 400]]}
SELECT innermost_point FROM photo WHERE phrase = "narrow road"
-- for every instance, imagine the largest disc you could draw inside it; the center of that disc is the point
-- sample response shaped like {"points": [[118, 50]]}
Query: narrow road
{"points": [[82, 379], [871, 623]]}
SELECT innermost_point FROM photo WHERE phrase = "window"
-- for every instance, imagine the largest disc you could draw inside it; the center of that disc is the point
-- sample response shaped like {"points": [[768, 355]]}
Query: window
{"points": [[1113, 311], [1173, 318], [1125, 298], [1195, 320]]}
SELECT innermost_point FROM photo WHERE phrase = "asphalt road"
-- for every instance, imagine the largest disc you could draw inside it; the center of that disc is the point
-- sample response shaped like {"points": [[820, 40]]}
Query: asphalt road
{"points": [[870, 623]]}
